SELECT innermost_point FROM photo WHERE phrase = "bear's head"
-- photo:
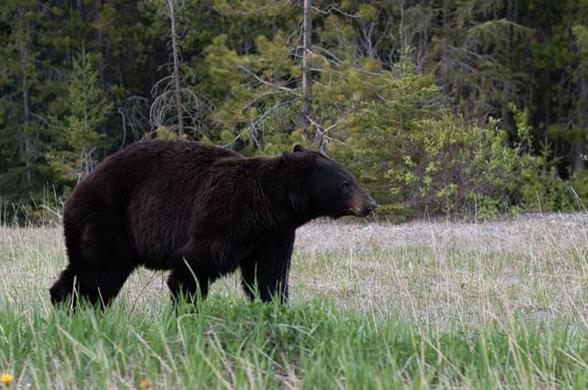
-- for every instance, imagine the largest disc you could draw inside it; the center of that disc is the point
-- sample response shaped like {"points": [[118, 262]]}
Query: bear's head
{"points": [[329, 188]]}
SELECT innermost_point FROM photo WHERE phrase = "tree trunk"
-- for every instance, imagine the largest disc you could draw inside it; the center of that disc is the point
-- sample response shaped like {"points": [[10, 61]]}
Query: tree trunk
{"points": [[100, 44], [306, 80], [507, 93], [176, 67], [27, 142], [582, 115], [401, 28]]}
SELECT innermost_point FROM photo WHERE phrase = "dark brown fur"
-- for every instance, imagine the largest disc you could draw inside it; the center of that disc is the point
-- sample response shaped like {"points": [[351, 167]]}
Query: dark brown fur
{"points": [[200, 211]]}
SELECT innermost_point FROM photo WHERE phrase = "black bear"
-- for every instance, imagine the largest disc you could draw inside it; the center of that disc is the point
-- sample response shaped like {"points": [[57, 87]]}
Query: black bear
{"points": [[200, 211]]}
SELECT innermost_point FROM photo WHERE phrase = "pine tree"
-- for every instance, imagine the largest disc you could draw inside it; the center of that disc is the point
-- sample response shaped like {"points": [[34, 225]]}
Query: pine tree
{"points": [[76, 129]]}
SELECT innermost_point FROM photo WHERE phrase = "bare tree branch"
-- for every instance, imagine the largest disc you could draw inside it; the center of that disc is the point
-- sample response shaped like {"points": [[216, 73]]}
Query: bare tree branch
{"points": [[282, 88]]}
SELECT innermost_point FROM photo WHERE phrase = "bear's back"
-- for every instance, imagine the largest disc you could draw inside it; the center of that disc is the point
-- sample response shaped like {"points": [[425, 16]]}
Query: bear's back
{"points": [[157, 162]]}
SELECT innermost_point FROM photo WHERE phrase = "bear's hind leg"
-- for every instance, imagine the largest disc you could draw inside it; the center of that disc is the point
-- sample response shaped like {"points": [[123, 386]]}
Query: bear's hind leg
{"points": [[100, 261], [63, 287], [97, 285]]}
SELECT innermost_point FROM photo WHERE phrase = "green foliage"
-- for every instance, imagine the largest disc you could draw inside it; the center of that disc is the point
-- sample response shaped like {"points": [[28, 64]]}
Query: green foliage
{"points": [[82, 110], [415, 156], [438, 165], [540, 187], [579, 187], [166, 134]]}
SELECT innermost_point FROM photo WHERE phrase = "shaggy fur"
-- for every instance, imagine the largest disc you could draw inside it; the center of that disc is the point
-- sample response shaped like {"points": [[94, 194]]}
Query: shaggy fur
{"points": [[200, 211]]}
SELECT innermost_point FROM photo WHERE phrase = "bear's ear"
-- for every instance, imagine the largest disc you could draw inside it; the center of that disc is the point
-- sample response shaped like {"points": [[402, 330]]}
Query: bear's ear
{"points": [[298, 148]]}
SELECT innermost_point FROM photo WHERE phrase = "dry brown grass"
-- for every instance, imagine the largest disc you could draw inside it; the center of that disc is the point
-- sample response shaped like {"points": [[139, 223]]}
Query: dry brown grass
{"points": [[432, 272]]}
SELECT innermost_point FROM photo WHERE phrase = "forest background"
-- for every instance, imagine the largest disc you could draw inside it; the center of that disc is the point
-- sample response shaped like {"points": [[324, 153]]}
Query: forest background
{"points": [[440, 107]]}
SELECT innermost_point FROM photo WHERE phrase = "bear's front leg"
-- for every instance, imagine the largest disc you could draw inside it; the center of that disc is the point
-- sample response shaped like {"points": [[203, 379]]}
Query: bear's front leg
{"points": [[190, 276], [189, 283], [265, 270]]}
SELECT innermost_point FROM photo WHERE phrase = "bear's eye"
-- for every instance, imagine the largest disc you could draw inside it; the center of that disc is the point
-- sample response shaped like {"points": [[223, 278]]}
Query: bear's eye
{"points": [[346, 187]]}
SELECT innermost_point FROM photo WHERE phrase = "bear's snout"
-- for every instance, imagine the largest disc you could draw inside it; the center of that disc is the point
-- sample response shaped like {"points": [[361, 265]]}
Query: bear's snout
{"points": [[371, 204], [362, 204]]}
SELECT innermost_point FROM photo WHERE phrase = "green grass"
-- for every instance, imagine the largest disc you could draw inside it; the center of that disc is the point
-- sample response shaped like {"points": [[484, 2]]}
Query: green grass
{"points": [[422, 305], [229, 343]]}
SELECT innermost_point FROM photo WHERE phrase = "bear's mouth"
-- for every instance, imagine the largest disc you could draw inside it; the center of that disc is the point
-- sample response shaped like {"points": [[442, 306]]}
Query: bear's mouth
{"points": [[367, 205], [358, 212]]}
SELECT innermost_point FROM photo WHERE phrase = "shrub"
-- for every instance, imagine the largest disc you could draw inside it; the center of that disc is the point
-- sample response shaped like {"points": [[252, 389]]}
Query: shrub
{"points": [[415, 156]]}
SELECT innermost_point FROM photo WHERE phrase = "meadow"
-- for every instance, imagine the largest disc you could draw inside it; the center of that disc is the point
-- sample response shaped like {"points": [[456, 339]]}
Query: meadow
{"points": [[430, 304]]}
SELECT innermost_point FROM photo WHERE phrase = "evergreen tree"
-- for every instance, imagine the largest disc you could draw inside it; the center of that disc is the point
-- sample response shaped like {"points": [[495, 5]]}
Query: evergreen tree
{"points": [[76, 130]]}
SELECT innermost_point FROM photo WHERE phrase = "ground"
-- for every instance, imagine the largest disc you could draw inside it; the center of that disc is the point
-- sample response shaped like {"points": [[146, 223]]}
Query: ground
{"points": [[426, 303]]}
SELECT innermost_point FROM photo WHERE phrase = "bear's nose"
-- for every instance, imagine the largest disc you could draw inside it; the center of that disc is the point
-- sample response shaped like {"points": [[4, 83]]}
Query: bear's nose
{"points": [[371, 205]]}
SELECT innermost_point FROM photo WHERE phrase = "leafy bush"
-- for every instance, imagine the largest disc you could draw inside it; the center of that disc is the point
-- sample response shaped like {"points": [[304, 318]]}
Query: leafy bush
{"points": [[415, 156]]}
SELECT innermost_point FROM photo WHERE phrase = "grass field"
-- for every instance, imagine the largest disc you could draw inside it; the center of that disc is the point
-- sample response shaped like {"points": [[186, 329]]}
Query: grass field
{"points": [[419, 305]]}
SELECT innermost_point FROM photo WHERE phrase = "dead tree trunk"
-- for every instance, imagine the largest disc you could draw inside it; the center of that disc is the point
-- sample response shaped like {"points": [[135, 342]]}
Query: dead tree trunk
{"points": [[176, 66]]}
